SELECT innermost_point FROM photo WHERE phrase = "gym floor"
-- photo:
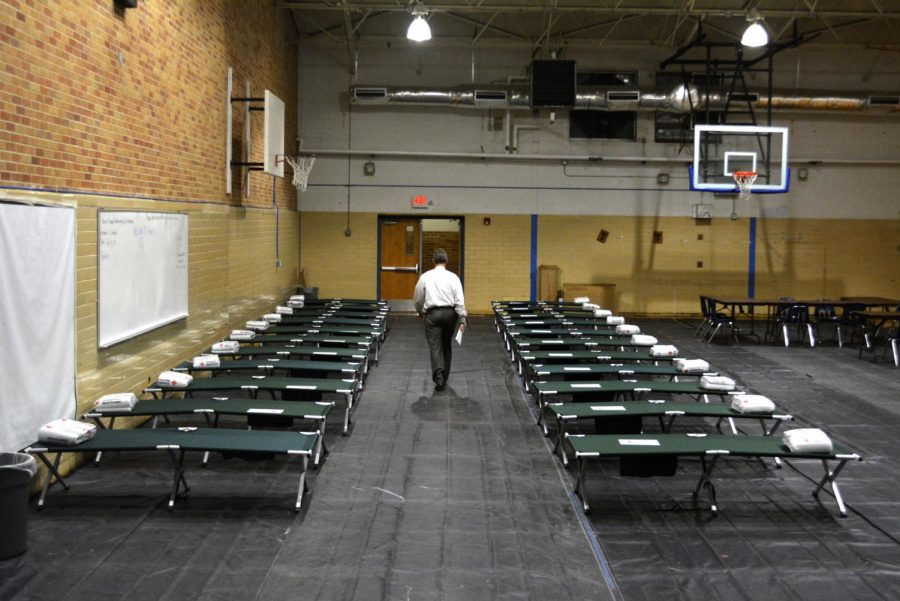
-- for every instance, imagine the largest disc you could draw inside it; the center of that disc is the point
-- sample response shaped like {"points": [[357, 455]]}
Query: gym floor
{"points": [[455, 495]]}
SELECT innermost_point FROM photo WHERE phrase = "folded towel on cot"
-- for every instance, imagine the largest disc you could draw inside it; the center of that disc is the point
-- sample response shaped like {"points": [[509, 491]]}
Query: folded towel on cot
{"points": [[643, 340], [807, 440], [67, 432], [581, 299], [663, 350], [121, 401], [716, 383], [257, 324], [272, 317], [615, 320], [174, 379], [589, 306], [602, 312], [201, 361], [627, 329], [752, 403], [691, 366], [226, 346], [282, 310], [244, 335]]}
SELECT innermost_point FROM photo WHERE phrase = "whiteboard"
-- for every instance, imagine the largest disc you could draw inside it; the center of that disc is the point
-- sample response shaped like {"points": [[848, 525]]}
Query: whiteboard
{"points": [[142, 272], [37, 320]]}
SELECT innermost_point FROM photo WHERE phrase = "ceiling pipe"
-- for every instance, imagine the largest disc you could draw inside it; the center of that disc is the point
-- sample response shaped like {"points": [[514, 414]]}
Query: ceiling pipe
{"points": [[681, 99], [559, 158]]}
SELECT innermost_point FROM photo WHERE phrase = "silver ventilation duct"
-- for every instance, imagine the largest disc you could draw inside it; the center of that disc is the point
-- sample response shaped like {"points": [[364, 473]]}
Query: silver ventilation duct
{"points": [[680, 100]]}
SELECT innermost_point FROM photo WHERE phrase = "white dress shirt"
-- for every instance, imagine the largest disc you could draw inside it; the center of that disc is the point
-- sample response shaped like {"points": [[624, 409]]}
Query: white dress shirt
{"points": [[439, 288]]}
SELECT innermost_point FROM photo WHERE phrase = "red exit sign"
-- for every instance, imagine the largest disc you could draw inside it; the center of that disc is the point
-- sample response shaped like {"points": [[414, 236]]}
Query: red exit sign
{"points": [[420, 202]]}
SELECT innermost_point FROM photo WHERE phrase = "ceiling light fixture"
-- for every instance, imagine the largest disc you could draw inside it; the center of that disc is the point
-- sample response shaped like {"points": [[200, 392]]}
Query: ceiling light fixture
{"points": [[418, 31], [755, 35]]}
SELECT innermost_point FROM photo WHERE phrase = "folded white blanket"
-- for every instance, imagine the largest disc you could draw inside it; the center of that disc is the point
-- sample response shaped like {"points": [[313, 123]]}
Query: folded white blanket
{"points": [[752, 403], [589, 306], [627, 329], [201, 361], [615, 320], [643, 340], [282, 310], [66, 432], [807, 440], [174, 379], [272, 317], [122, 401], [295, 304], [226, 346], [298, 298], [257, 324], [581, 299], [691, 366], [716, 383], [244, 335], [602, 312], [663, 350]]}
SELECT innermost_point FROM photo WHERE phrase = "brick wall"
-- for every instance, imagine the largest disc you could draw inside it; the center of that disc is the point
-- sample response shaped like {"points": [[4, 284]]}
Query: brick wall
{"points": [[133, 102], [103, 109], [449, 241]]}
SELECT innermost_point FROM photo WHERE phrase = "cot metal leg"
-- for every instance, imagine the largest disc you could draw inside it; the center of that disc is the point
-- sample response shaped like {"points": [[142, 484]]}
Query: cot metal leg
{"points": [[541, 422], [178, 478], [784, 331], [579, 484], [713, 335], [812, 335], [52, 470], [347, 410], [830, 477], [302, 488], [705, 482], [559, 445], [896, 349]]}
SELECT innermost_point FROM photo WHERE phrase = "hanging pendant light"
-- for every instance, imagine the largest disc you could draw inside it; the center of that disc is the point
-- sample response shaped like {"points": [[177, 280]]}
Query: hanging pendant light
{"points": [[419, 31], [755, 35]]}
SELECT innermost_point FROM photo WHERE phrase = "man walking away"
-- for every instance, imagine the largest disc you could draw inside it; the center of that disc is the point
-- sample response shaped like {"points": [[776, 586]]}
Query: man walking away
{"points": [[439, 300]]}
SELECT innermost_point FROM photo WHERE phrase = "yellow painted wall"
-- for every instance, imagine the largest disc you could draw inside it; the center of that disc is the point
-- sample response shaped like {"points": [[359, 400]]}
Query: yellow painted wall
{"points": [[498, 260], [339, 265], [800, 258]]}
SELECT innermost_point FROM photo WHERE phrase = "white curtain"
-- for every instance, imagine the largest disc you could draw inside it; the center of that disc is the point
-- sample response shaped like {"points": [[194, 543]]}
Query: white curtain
{"points": [[37, 320]]}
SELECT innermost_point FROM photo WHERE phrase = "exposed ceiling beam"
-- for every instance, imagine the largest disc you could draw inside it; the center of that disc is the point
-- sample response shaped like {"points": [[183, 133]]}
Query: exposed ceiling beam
{"points": [[492, 6]]}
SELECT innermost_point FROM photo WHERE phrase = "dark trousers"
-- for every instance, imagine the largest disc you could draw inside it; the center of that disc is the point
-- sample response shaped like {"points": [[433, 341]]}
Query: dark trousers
{"points": [[440, 324]]}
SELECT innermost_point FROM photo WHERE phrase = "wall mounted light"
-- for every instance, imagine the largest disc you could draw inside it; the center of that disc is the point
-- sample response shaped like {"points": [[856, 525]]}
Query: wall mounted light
{"points": [[755, 35], [418, 31]]}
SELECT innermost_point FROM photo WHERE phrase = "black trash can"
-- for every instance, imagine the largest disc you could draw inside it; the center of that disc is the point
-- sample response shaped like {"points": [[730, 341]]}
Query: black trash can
{"points": [[309, 294], [16, 472]]}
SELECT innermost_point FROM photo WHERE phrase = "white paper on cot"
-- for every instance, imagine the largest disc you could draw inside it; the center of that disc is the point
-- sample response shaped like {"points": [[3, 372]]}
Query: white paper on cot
{"points": [[638, 442], [612, 408], [261, 410]]}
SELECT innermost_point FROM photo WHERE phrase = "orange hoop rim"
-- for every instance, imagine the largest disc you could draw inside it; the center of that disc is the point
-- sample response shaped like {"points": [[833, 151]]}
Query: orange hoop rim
{"points": [[737, 174]]}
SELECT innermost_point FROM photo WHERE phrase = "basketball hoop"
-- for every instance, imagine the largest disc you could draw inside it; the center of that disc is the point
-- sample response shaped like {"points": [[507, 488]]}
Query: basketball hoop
{"points": [[302, 165], [744, 180]]}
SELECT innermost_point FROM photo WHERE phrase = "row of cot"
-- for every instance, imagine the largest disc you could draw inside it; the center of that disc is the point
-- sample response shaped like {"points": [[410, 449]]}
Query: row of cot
{"points": [[299, 356], [609, 370]]}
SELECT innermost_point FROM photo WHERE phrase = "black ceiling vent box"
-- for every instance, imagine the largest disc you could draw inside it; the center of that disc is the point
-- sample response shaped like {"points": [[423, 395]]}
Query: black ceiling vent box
{"points": [[552, 84]]}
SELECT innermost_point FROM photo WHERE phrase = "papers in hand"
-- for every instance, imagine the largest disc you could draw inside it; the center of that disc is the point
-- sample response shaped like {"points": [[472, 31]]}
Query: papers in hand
{"points": [[459, 335]]}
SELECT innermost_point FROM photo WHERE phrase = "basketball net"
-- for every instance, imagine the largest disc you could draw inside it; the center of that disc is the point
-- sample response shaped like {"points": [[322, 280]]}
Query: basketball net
{"points": [[744, 180], [302, 165]]}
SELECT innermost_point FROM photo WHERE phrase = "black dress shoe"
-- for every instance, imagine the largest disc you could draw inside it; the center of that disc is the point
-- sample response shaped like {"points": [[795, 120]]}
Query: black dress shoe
{"points": [[439, 382]]}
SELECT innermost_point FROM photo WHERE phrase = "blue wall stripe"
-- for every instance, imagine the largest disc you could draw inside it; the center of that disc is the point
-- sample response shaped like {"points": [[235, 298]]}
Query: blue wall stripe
{"points": [[751, 266], [534, 235]]}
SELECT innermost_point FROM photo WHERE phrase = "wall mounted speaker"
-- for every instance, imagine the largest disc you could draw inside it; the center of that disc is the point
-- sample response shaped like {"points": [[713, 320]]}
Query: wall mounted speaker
{"points": [[126, 3]]}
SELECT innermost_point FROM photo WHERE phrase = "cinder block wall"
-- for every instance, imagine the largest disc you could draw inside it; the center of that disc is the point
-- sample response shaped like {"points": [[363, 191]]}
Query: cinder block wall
{"points": [[127, 109]]}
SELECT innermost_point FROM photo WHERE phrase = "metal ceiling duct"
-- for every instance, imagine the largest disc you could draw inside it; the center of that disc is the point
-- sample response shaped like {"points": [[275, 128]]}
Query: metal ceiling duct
{"points": [[680, 100]]}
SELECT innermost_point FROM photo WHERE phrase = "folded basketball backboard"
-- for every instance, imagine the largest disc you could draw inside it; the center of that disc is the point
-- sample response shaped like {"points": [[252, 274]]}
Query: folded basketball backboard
{"points": [[722, 150], [273, 140]]}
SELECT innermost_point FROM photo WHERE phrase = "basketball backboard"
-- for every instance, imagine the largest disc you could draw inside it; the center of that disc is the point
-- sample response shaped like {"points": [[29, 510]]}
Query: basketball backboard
{"points": [[273, 136], [720, 150]]}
